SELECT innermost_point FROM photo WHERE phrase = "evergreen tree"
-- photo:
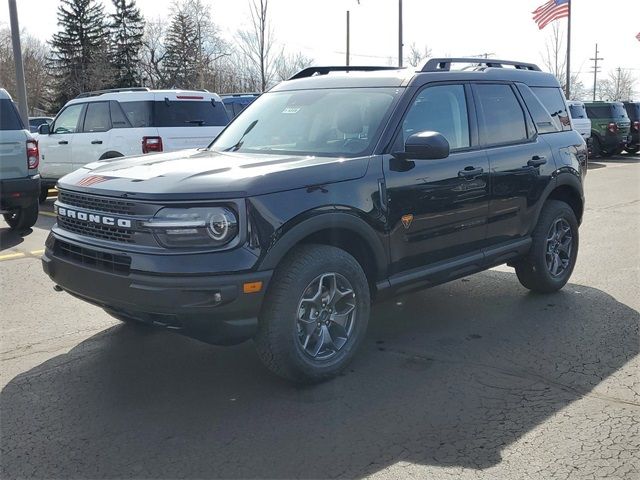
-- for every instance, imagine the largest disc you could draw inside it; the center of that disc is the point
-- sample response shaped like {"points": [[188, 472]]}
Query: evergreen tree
{"points": [[127, 27], [79, 59], [181, 59]]}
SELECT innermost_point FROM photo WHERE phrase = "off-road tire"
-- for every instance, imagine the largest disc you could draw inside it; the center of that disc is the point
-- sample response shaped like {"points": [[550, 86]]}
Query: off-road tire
{"points": [[44, 193], [532, 271], [277, 341], [23, 219]]}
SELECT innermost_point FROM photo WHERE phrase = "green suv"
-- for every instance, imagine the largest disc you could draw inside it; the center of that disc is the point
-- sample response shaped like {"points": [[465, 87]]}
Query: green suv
{"points": [[610, 127]]}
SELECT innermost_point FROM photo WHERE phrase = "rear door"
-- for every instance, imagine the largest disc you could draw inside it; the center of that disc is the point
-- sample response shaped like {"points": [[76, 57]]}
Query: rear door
{"points": [[94, 139], [188, 120], [437, 208], [56, 149], [521, 161], [13, 146]]}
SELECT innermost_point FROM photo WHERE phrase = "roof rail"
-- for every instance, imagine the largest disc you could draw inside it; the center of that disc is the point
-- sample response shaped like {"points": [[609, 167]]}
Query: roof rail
{"points": [[444, 64], [113, 90], [240, 94], [310, 71]]}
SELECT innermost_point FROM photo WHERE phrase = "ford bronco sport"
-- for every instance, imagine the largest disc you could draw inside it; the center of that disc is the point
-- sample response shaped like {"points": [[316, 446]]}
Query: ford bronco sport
{"points": [[610, 127], [337, 187]]}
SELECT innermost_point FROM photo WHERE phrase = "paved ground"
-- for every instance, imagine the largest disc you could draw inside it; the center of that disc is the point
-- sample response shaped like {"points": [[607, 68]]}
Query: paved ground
{"points": [[474, 379]]}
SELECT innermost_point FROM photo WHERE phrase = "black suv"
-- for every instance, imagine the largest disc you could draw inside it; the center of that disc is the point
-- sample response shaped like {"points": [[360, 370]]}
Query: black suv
{"points": [[338, 187]]}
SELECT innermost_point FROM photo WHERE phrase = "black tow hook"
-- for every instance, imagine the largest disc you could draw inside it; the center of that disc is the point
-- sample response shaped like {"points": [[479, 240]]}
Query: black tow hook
{"points": [[57, 288]]}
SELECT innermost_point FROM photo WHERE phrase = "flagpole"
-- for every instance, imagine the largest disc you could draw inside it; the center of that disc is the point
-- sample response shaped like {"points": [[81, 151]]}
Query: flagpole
{"points": [[568, 87]]}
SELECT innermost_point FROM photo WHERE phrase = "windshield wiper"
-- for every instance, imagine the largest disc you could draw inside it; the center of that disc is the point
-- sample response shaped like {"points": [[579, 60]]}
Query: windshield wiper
{"points": [[237, 146], [196, 122]]}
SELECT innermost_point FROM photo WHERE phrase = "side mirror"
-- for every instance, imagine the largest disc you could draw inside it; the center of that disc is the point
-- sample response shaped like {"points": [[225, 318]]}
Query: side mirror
{"points": [[44, 129], [424, 146]]}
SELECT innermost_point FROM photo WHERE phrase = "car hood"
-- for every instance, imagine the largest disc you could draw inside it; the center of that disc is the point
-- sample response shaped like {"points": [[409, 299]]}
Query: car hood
{"points": [[207, 174]]}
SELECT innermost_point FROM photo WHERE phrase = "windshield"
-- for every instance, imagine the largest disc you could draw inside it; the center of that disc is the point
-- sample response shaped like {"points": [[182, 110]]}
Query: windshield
{"points": [[577, 111], [328, 122]]}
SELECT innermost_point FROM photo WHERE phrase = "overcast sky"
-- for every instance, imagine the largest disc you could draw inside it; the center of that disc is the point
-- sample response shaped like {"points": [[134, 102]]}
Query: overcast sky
{"points": [[502, 28]]}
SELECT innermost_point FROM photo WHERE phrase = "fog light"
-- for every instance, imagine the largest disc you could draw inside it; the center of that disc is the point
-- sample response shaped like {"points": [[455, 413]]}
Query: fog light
{"points": [[217, 297]]}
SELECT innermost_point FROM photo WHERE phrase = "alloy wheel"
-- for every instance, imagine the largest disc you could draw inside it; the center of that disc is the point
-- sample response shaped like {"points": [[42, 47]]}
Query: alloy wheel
{"points": [[559, 245], [326, 316]]}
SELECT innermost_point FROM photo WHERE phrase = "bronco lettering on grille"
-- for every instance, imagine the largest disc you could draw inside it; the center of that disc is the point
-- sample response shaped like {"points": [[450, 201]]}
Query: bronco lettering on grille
{"points": [[93, 218]]}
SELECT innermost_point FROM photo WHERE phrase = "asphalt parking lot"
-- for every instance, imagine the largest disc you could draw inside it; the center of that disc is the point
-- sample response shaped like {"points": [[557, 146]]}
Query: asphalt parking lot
{"points": [[474, 379]]}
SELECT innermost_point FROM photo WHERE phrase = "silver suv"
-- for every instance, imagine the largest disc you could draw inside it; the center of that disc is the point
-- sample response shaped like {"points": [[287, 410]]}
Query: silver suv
{"points": [[19, 159]]}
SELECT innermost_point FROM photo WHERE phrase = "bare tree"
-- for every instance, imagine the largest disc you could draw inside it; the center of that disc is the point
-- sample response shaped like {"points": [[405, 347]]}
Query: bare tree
{"points": [[257, 43], [555, 59], [37, 78], [618, 86], [288, 65], [153, 53], [416, 55]]}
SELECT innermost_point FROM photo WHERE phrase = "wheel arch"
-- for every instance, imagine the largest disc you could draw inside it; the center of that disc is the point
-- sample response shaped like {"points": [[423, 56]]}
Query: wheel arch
{"points": [[568, 189], [110, 154], [342, 230]]}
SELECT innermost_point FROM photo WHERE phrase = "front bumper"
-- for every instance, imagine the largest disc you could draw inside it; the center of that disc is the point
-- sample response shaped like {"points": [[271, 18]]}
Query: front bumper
{"points": [[19, 192], [211, 307]]}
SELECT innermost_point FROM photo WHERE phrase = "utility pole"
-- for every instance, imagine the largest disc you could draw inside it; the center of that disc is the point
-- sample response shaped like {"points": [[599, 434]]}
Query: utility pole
{"points": [[17, 57], [595, 72], [568, 88], [347, 38], [618, 96], [400, 55]]}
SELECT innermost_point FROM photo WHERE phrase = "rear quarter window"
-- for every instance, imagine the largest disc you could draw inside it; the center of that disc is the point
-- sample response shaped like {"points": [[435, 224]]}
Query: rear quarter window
{"points": [[190, 114], [139, 114], [9, 117], [553, 101]]}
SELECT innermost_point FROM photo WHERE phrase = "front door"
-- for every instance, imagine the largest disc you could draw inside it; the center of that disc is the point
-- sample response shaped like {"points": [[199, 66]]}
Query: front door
{"points": [[56, 149], [437, 209], [96, 132]]}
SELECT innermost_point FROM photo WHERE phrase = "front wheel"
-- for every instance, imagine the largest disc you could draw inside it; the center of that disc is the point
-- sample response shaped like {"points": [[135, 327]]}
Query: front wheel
{"points": [[315, 314], [554, 249]]}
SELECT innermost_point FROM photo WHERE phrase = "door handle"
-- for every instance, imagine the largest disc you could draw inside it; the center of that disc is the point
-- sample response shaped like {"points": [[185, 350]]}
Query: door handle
{"points": [[96, 142], [63, 142], [537, 160], [470, 172]]}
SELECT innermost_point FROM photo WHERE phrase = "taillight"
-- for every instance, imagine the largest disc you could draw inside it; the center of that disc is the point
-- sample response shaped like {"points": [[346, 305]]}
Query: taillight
{"points": [[33, 154], [612, 127], [151, 144], [636, 125]]}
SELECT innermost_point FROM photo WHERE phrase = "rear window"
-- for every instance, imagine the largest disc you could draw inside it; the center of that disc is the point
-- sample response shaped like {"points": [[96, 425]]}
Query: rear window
{"points": [[633, 110], [613, 110], [9, 117], [577, 111], [553, 101], [190, 114]]}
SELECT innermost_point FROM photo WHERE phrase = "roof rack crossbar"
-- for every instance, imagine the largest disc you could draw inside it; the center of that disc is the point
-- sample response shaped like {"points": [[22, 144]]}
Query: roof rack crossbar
{"points": [[444, 64], [310, 71], [113, 90]]}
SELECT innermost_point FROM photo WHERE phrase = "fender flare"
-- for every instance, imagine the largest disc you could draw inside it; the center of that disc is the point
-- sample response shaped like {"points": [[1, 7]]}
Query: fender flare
{"points": [[326, 221], [562, 179]]}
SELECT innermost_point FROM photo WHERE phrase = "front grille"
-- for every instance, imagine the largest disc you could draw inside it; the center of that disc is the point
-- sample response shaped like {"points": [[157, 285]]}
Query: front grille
{"points": [[95, 230], [98, 204], [118, 264]]}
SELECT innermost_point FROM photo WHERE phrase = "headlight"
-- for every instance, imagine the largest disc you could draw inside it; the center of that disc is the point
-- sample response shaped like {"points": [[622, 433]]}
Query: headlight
{"points": [[199, 227]]}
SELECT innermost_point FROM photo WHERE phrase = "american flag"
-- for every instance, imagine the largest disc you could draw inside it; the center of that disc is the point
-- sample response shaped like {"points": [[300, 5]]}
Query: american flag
{"points": [[638, 37], [550, 11]]}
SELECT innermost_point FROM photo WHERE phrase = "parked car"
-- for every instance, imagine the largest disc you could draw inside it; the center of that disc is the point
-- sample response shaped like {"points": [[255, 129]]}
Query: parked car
{"points": [[581, 122], [633, 112], [331, 190], [19, 158], [35, 122], [236, 102], [115, 123], [610, 127]]}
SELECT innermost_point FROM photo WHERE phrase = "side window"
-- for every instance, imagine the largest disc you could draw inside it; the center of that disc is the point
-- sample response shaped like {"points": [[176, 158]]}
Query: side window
{"points": [[440, 109], [9, 116], [67, 121], [553, 100], [97, 118], [138, 113], [503, 120], [118, 119], [541, 117]]}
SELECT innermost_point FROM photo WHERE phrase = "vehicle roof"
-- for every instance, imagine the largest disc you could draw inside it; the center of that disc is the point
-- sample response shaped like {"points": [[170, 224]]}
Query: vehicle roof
{"points": [[132, 96], [602, 103], [4, 95], [575, 102], [409, 77]]}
